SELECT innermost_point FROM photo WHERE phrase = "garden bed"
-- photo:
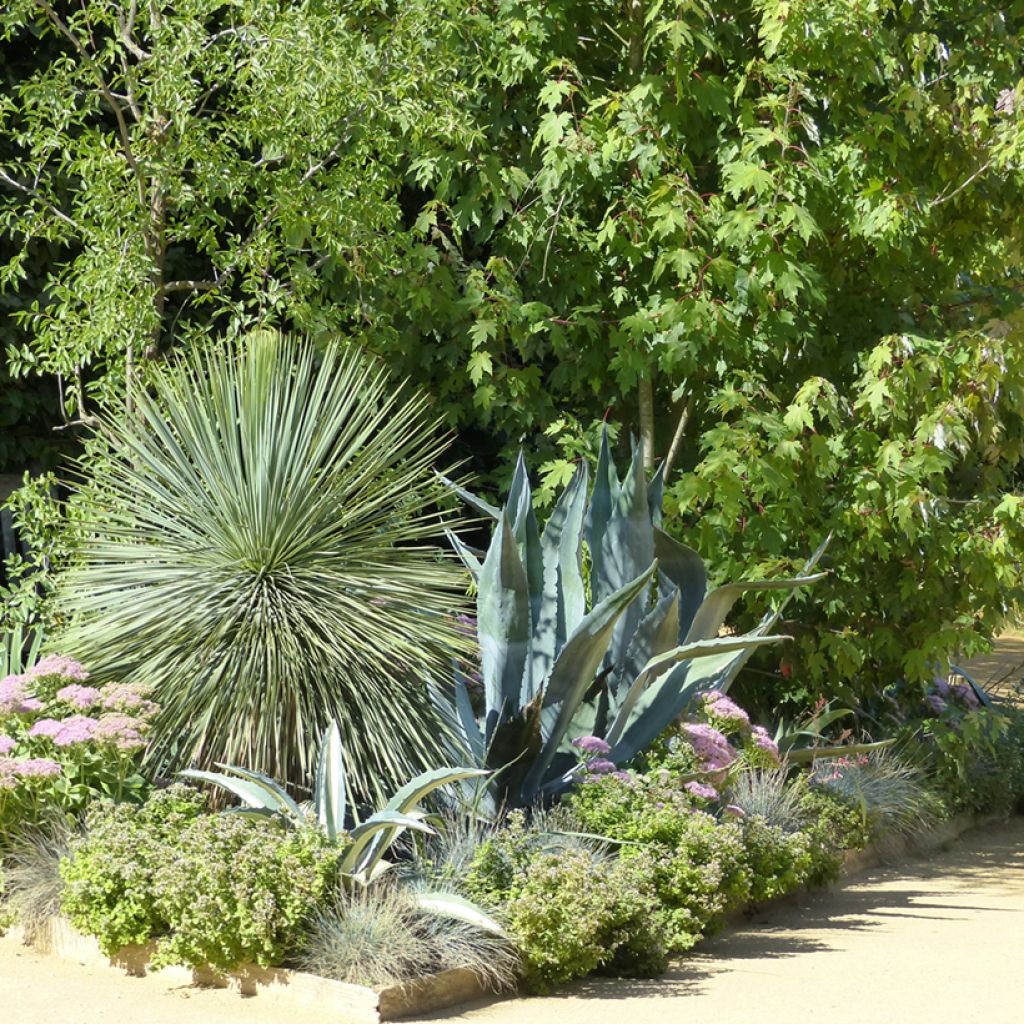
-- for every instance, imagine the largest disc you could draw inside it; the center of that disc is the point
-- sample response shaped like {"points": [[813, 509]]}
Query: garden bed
{"points": [[346, 1003]]}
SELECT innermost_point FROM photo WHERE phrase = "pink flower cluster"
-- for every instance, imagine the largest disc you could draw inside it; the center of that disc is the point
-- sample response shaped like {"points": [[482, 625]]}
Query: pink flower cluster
{"points": [[128, 698], [15, 697], [718, 705], [713, 750], [593, 745], [761, 739], [13, 769], [58, 665], [81, 697], [701, 790]]}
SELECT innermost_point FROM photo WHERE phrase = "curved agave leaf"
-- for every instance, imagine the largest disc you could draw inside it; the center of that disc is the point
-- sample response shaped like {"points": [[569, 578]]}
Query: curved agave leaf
{"points": [[660, 668], [448, 904], [259, 779], [979, 691], [574, 671], [657, 633], [621, 540], [668, 695], [367, 849], [419, 788], [330, 793], [470, 498], [466, 554], [264, 796], [565, 601], [806, 755]]}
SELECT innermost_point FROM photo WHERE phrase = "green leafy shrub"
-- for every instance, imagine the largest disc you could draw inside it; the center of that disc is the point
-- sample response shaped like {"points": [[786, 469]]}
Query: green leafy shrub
{"points": [[975, 761], [570, 909], [110, 874], [211, 889], [234, 889], [697, 864], [833, 827], [778, 861]]}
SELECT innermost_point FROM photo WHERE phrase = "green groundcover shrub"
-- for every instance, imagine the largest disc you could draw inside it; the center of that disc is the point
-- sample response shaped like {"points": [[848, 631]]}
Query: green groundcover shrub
{"points": [[571, 909], [211, 889]]}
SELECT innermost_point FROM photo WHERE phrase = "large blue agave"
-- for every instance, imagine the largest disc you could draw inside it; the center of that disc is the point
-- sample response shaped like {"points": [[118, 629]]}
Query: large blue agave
{"points": [[622, 666]]}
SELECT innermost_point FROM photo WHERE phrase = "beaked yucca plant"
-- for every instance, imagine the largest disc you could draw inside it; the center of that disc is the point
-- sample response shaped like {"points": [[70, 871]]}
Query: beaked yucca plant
{"points": [[260, 551], [622, 665]]}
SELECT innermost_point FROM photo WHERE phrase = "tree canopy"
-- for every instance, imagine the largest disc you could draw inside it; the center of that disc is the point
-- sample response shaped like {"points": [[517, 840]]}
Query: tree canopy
{"points": [[779, 240]]}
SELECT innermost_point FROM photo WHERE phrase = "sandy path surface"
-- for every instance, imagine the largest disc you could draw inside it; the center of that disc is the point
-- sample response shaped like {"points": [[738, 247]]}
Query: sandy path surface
{"points": [[935, 940]]}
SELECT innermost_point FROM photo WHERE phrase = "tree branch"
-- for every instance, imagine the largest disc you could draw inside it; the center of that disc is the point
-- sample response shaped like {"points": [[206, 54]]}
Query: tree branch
{"points": [[35, 194]]}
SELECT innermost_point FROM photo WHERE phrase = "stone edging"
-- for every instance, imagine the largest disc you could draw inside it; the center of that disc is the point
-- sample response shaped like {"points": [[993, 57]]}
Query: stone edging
{"points": [[356, 1004]]}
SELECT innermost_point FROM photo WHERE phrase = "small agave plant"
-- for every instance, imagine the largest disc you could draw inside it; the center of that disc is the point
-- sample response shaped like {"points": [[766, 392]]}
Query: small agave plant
{"points": [[621, 665], [365, 841]]}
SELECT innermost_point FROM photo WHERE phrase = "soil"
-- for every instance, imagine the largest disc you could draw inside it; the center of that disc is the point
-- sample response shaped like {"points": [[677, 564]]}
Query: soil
{"points": [[934, 940]]}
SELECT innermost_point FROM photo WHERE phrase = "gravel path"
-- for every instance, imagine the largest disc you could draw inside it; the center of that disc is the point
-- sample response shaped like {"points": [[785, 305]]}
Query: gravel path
{"points": [[935, 940]]}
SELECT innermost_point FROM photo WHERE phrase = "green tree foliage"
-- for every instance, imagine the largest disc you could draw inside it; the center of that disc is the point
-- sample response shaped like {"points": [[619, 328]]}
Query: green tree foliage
{"points": [[778, 239], [227, 161]]}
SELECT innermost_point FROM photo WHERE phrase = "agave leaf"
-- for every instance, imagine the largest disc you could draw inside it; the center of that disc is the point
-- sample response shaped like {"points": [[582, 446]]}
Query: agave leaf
{"points": [[574, 671], [564, 603], [259, 779], [656, 496], [419, 788], [681, 567], [466, 554], [659, 668], [657, 633], [621, 541], [503, 625], [714, 609], [527, 535], [330, 790], [979, 691], [667, 696], [448, 904], [367, 849], [468, 725], [805, 755], [470, 498], [267, 798]]}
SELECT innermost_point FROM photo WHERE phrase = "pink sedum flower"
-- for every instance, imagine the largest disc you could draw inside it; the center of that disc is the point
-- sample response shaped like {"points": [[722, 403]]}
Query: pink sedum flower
{"points": [[38, 768], [78, 696], [59, 665], [763, 741], [130, 698], [701, 790], [15, 695], [7, 744], [734, 811], [76, 729], [591, 745], [600, 766], [122, 731]]}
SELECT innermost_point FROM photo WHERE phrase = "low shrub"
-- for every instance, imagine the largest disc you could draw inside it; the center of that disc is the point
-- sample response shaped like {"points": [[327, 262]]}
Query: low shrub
{"points": [[34, 886], [777, 861], [974, 758], [212, 889], [889, 791], [570, 909], [697, 863], [379, 935]]}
